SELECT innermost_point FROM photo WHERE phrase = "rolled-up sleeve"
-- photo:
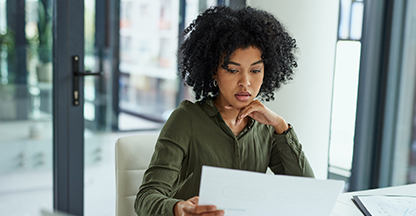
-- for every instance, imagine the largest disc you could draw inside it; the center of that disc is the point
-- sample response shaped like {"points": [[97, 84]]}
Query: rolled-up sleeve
{"points": [[287, 156]]}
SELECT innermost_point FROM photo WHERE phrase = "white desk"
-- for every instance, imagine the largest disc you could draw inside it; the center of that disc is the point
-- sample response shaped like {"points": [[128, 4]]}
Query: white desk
{"points": [[345, 207]]}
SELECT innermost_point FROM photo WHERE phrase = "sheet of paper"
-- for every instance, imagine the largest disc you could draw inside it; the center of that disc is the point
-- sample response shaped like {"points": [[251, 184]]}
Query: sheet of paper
{"points": [[389, 205], [249, 193]]}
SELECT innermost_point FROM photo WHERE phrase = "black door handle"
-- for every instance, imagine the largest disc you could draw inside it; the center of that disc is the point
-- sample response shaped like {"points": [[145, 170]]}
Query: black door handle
{"points": [[76, 75]]}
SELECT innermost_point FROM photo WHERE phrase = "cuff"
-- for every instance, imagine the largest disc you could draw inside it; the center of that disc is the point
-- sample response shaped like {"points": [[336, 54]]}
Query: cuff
{"points": [[288, 141], [169, 206]]}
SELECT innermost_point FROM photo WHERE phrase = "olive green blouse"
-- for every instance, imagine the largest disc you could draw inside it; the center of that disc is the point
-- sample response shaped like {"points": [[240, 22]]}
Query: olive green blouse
{"points": [[195, 135]]}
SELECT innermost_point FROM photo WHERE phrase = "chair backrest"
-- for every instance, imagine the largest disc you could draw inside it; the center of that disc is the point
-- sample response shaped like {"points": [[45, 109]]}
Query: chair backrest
{"points": [[132, 159]]}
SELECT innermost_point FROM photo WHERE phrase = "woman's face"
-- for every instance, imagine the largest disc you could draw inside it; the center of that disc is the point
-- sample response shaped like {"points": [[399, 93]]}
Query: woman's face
{"points": [[241, 82]]}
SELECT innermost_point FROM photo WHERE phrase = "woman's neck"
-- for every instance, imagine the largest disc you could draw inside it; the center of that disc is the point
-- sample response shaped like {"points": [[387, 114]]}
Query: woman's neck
{"points": [[227, 114], [230, 116]]}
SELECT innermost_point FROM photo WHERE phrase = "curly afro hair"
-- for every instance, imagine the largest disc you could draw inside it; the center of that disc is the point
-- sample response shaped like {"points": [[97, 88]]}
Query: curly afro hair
{"points": [[218, 32]]}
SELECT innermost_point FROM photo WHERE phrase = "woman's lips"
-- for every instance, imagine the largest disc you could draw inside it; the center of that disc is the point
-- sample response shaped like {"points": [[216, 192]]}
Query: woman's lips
{"points": [[243, 96]]}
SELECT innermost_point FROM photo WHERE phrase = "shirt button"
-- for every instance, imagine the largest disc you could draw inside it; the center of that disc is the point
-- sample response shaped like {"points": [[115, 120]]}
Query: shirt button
{"points": [[290, 141]]}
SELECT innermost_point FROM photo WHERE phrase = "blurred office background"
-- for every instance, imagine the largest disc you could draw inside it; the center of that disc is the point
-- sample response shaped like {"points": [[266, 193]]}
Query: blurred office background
{"points": [[352, 101]]}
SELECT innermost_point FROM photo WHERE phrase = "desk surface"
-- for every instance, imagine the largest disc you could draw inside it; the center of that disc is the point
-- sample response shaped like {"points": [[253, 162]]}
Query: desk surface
{"points": [[344, 205]]}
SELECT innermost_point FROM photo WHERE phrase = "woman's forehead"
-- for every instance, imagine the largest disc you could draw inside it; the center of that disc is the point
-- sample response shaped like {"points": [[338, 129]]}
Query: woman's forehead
{"points": [[227, 56], [245, 55]]}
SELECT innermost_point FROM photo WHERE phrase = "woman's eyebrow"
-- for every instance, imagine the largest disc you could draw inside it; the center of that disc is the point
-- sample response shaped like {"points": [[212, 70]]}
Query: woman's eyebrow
{"points": [[235, 63], [257, 62]]}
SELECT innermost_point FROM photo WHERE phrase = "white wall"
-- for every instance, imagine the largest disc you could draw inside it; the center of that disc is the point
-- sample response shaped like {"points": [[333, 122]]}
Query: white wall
{"points": [[306, 101]]}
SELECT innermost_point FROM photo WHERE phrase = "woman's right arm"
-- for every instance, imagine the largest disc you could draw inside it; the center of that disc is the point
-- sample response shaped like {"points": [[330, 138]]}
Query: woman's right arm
{"points": [[154, 196]]}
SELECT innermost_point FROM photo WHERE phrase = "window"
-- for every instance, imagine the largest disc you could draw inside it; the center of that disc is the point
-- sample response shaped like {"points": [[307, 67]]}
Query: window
{"points": [[404, 157], [344, 102], [149, 36]]}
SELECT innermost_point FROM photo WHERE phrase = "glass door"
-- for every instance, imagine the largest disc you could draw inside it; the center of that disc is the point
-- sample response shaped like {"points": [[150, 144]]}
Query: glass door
{"points": [[25, 107]]}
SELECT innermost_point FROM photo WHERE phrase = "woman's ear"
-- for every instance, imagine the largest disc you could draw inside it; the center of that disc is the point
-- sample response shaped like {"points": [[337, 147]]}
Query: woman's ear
{"points": [[214, 76]]}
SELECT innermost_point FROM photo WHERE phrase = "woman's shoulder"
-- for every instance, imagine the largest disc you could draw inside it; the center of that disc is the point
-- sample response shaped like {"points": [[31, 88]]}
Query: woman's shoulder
{"points": [[198, 111], [182, 118], [190, 106], [186, 103], [187, 109]]}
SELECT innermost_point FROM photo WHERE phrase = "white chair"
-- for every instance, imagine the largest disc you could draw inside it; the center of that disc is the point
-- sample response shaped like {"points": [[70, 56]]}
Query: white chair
{"points": [[132, 159]]}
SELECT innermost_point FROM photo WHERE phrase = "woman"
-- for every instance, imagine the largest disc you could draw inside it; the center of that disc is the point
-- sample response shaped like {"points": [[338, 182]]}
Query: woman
{"points": [[230, 58]]}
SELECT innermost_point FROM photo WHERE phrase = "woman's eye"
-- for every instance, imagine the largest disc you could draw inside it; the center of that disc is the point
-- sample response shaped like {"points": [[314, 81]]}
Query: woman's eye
{"points": [[256, 71], [231, 71]]}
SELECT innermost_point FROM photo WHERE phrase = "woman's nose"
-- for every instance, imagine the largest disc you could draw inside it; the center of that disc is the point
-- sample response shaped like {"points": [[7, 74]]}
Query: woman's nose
{"points": [[244, 80]]}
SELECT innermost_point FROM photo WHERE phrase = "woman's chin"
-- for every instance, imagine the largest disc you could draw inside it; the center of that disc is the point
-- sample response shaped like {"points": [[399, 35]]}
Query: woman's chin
{"points": [[241, 104]]}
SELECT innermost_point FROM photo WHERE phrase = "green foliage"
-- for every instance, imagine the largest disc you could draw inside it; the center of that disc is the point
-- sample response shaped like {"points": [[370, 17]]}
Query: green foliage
{"points": [[7, 44], [45, 33], [7, 41]]}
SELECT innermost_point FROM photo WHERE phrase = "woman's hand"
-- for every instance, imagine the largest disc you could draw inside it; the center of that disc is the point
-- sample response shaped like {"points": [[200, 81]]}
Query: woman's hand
{"points": [[191, 207], [262, 114]]}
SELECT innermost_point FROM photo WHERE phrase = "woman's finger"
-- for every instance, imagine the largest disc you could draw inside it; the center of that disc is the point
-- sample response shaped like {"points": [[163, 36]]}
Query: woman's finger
{"points": [[205, 209], [194, 200], [216, 213], [254, 106], [229, 107], [243, 113], [197, 210], [191, 207]]}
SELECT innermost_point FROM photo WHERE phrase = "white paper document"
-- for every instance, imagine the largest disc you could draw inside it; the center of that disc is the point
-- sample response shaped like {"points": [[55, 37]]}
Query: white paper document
{"points": [[378, 205], [241, 193]]}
